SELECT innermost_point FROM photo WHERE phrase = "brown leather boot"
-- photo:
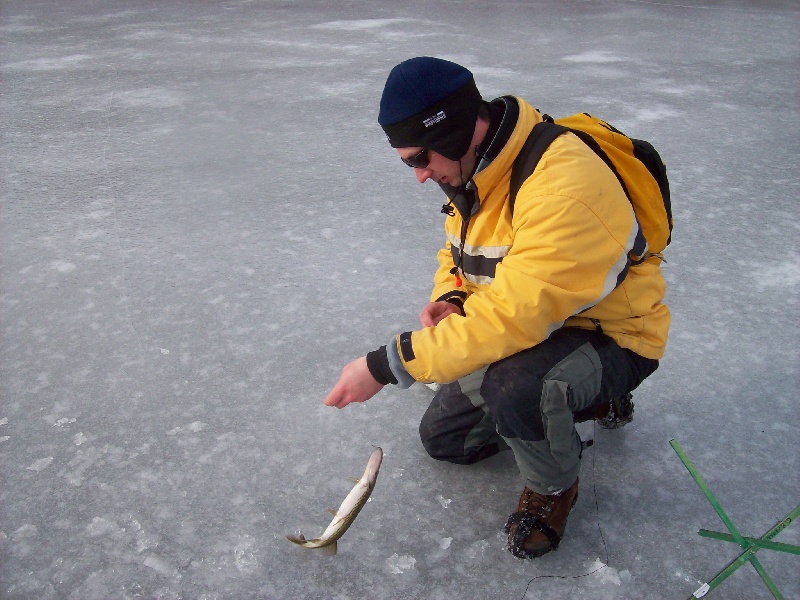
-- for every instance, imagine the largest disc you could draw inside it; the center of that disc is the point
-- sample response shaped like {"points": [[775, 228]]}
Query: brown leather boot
{"points": [[537, 525]]}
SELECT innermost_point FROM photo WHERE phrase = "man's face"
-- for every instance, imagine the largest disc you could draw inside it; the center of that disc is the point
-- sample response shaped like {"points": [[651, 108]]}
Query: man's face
{"points": [[439, 168]]}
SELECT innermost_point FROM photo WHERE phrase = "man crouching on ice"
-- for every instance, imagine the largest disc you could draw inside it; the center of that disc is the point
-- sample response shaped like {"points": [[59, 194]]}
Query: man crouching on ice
{"points": [[537, 319]]}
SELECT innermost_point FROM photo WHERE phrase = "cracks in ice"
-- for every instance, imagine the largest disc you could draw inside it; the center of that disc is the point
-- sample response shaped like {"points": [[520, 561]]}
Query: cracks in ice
{"points": [[598, 565]]}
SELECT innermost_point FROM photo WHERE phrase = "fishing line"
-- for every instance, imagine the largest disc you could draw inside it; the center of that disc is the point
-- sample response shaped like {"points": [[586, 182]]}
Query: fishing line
{"points": [[599, 529]]}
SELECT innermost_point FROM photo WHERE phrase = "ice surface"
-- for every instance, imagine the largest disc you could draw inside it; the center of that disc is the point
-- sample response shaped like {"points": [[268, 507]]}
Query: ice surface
{"points": [[201, 222]]}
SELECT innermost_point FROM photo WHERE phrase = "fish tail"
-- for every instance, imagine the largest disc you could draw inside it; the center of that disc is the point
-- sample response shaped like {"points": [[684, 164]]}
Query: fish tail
{"points": [[330, 549]]}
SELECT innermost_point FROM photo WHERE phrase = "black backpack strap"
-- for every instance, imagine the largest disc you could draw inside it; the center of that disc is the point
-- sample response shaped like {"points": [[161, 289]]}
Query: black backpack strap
{"points": [[529, 156], [649, 156]]}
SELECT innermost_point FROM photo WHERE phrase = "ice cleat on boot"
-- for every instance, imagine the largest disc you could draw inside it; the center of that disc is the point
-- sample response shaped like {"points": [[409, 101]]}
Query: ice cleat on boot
{"points": [[615, 414], [538, 524]]}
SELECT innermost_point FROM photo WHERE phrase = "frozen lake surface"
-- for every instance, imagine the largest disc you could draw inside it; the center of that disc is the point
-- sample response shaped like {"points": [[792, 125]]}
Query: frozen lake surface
{"points": [[201, 222]]}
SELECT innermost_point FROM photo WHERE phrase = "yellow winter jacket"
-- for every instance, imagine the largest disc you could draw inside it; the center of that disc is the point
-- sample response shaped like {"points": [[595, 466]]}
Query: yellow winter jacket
{"points": [[557, 262]]}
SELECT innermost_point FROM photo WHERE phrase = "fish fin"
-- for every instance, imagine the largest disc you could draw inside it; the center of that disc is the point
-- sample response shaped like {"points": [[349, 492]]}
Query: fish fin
{"points": [[333, 512], [329, 550], [297, 539]]}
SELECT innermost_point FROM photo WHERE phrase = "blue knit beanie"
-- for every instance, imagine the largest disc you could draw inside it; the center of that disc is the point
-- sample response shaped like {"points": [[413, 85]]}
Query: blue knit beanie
{"points": [[431, 103]]}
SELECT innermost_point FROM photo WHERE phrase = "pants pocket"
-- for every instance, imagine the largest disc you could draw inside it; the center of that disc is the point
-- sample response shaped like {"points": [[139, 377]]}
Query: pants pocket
{"points": [[572, 385]]}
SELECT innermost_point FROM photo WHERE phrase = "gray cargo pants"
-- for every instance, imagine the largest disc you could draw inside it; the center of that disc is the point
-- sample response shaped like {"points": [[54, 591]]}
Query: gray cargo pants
{"points": [[526, 402]]}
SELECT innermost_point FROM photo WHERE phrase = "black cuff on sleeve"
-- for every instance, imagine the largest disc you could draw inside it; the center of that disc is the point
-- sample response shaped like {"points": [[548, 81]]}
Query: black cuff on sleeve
{"points": [[458, 303], [456, 298], [378, 365]]}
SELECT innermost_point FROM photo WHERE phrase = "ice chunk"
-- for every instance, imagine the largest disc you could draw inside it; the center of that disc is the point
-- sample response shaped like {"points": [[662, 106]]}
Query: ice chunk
{"points": [[397, 564], [40, 465]]}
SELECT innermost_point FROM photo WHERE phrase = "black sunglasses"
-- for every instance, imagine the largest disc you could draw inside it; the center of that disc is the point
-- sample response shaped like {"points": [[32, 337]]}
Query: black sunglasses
{"points": [[419, 161]]}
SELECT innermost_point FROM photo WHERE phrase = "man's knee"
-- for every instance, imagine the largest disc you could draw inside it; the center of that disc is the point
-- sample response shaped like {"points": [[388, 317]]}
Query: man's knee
{"points": [[519, 393], [450, 446], [435, 440], [580, 375], [512, 396], [450, 423]]}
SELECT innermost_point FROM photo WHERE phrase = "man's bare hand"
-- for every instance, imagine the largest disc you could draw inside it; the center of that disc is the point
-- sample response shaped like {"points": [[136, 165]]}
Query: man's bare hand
{"points": [[435, 312], [356, 384]]}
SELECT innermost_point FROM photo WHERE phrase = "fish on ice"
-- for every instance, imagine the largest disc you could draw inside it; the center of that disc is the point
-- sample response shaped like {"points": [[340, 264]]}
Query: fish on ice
{"points": [[347, 512]]}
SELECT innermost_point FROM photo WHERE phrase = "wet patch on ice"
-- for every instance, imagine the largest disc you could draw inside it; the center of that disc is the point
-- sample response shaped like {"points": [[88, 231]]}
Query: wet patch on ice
{"points": [[102, 527], [683, 90], [62, 266], [25, 532], [485, 72], [655, 113], [360, 24], [244, 554], [40, 465], [195, 427], [476, 549], [781, 275], [51, 64], [149, 98], [161, 566], [593, 56], [339, 90]]}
